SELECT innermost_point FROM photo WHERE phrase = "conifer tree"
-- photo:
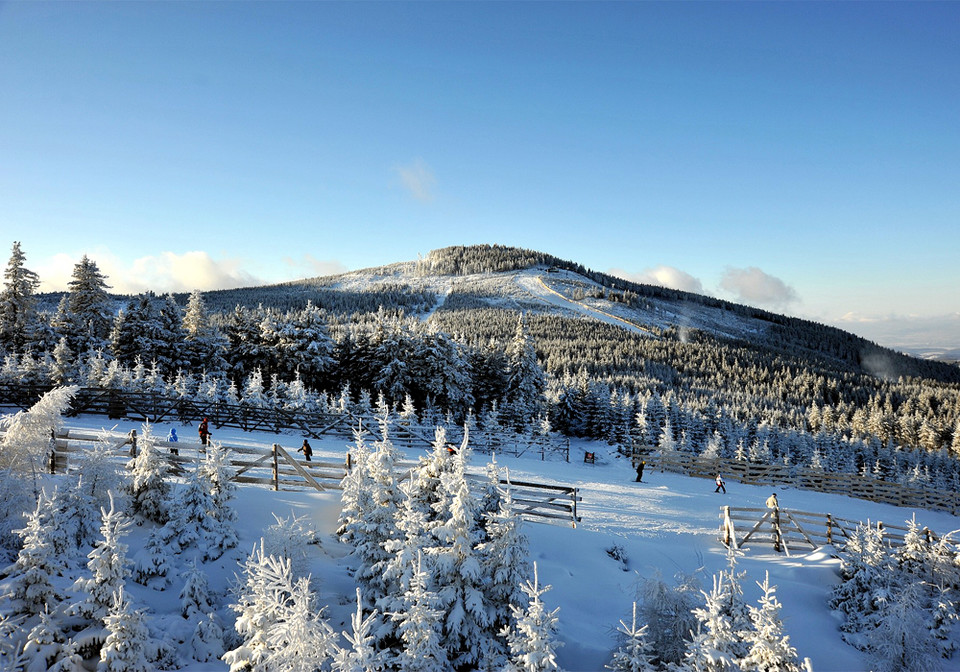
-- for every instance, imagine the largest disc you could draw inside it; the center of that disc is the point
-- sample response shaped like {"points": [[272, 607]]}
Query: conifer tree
{"points": [[418, 626], [300, 640], [195, 595], [526, 381], [770, 649], [149, 489], [18, 303], [220, 522], [36, 563], [359, 655], [127, 638], [532, 640], [88, 314], [107, 565], [634, 653]]}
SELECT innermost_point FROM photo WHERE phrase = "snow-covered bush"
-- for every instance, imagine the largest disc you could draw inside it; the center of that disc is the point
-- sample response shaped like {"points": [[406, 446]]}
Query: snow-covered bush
{"points": [[26, 443]]}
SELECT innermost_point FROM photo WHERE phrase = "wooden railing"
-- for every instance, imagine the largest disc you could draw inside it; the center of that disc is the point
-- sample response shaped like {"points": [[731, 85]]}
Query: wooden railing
{"points": [[852, 485], [789, 530], [277, 468]]}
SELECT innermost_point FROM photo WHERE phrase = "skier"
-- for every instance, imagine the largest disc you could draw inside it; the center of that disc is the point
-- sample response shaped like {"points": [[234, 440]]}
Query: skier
{"points": [[173, 438], [640, 471], [720, 484], [772, 502], [204, 431], [306, 450]]}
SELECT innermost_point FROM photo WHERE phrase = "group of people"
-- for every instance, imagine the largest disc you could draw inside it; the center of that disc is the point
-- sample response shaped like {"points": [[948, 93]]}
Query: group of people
{"points": [[771, 502]]}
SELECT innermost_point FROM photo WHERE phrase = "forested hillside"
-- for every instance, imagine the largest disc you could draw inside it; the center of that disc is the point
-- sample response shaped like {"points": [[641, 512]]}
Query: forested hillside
{"points": [[515, 339]]}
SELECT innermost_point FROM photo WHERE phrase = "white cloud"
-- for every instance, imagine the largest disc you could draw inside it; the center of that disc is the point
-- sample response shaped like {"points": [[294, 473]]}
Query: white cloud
{"points": [[914, 333], [418, 179], [162, 273], [664, 276], [753, 286]]}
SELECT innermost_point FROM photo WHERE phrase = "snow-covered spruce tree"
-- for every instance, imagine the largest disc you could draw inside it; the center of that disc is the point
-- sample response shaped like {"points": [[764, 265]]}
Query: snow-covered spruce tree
{"points": [[195, 595], [107, 565], [26, 444], [417, 621], [356, 498], [289, 538], [301, 640], [75, 521], [504, 560], [220, 525], [205, 345], [533, 639], [734, 605], [467, 626], [101, 474], [149, 489], [903, 640], [634, 653], [16, 496], [18, 303], [668, 613], [359, 655], [124, 649], [379, 524], [45, 643], [32, 586], [865, 583], [260, 594], [770, 649], [207, 641], [718, 642], [88, 317], [523, 398]]}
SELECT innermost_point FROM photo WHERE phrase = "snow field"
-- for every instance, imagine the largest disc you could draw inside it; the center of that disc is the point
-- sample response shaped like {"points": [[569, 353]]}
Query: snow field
{"points": [[666, 525]]}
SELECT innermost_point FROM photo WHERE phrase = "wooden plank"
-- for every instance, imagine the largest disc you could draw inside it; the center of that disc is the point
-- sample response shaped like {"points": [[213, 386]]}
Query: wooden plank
{"points": [[303, 472]]}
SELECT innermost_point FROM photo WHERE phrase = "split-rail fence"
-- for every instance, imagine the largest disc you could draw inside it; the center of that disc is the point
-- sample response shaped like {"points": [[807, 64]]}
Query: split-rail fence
{"points": [[275, 467]]}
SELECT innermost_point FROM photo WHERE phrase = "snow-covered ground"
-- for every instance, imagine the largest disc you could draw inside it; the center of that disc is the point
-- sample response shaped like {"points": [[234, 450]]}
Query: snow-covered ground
{"points": [[666, 525]]}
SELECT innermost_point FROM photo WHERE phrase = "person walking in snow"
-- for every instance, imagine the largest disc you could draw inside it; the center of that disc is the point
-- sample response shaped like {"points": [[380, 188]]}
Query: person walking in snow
{"points": [[173, 438], [306, 450], [772, 502], [204, 431], [720, 484], [640, 467], [132, 440]]}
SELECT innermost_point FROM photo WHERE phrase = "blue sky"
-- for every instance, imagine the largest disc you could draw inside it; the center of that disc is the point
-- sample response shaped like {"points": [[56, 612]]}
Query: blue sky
{"points": [[803, 157]]}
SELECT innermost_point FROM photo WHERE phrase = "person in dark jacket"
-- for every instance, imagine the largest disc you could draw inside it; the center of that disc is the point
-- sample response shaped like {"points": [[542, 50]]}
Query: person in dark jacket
{"points": [[204, 431], [640, 467], [306, 450]]}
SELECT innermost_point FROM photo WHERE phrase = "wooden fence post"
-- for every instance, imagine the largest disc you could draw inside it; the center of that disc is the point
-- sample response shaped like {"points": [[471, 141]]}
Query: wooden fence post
{"points": [[829, 529], [276, 469], [777, 534], [349, 463]]}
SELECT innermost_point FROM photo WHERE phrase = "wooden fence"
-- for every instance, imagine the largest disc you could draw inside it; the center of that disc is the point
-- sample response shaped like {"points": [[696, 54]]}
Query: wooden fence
{"points": [[276, 468], [788, 530], [852, 485]]}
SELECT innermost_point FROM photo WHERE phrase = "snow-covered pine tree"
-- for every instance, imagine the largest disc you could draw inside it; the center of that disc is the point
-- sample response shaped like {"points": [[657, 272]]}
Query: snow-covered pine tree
{"points": [[205, 345], [45, 643], [533, 638], [107, 565], [301, 640], [88, 314], [717, 642], [379, 524], [668, 613], [770, 649], [526, 382], [466, 622], [289, 538], [504, 560], [902, 640], [216, 473], [865, 582], [32, 585], [359, 655], [195, 595], [260, 595], [634, 653], [418, 626], [149, 489], [124, 649], [18, 303], [206, 644], [26, 443], [356, 498]]}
